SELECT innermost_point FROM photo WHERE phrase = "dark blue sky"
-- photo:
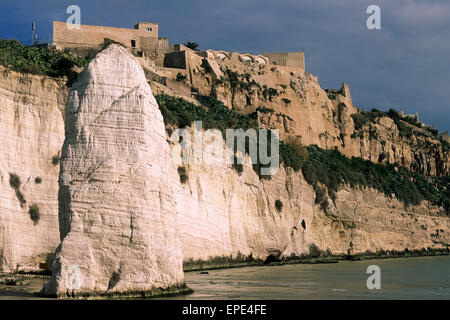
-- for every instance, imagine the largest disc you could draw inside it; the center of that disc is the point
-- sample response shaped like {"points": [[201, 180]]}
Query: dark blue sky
{"points": [[406, 65]]}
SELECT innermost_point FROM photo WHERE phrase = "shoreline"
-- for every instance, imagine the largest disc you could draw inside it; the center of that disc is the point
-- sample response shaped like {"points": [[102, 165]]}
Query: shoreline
{"points": [[172, 291], [18, 283], [320, 259]]}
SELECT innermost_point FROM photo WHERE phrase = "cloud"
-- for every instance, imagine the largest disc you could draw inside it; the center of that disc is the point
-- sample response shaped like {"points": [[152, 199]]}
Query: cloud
{"points": [[424, 14], [404, 65]]}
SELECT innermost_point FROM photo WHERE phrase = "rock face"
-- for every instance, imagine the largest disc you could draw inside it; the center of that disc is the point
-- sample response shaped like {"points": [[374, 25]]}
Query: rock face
{"points": [[126, 223], [31, 136], [229, 214], [117, 215], [295, 103]]}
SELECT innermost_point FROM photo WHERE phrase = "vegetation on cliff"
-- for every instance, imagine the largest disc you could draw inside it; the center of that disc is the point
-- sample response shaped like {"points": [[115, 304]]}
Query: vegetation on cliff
{"points": [[405, 124], [39, 60], [327, 167], [333, 169]]}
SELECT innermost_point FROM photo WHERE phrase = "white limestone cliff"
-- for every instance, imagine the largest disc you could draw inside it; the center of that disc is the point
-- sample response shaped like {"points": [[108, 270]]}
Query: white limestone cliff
{"points": [[31, 136], [117, 215], [126, 223], [224, 213]]}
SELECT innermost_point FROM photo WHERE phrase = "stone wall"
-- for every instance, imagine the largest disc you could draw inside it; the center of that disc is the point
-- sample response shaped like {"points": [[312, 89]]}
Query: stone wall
{"points": [[93, 37], [87, 36], [289, 59], [175, 60]]}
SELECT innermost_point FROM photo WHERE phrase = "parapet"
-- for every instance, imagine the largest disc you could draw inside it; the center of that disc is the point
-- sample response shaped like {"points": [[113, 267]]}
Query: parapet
{"points": [[288, 59]]}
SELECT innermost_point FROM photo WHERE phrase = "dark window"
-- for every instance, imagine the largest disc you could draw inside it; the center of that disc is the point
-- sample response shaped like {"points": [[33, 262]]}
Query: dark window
{"points": [[133, 43]]}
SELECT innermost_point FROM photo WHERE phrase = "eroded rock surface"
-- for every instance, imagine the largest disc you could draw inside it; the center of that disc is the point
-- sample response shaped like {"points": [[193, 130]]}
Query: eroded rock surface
{"points": [[31, 136], [226, 213], [117, 215]]}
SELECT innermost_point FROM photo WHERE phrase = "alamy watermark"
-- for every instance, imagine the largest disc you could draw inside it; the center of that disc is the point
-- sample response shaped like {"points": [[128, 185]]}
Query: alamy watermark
{"points": [[74, 20], [374, 20], [374, 280], [73, 281]]}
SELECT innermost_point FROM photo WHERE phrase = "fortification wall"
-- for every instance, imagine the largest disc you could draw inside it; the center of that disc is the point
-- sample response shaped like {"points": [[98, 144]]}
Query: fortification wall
{"points": [[289, 59], [175, 60], [90, 35], [94, 36]]}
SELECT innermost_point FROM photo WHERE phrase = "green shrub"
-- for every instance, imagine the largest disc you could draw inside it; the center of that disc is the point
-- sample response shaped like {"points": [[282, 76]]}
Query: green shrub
{"points": [[191, 45], [291, 157], [180, 77], [362, 117], [21, 198], [34, 213], [39, 60], [183, 175], [357, 134], [332, 168], [382, 156], [286, 101], [404, 130], [278, 205], [394, 115], [359, 120], [432, 130], [56, 160], [444, 143], [205, 65], [309, 173], [38, 180], [14, 181], [324, 205], [238, 81], [296, 145], [314, 251], [269, 93], [320, 195]]}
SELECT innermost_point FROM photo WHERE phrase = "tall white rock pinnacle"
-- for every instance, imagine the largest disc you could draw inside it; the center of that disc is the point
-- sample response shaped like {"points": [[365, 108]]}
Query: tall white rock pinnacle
{"points": [[117, 213]]}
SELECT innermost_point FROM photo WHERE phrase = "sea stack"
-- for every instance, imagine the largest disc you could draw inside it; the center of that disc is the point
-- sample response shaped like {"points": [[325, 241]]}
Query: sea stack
{"points": [[117, 213]]}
